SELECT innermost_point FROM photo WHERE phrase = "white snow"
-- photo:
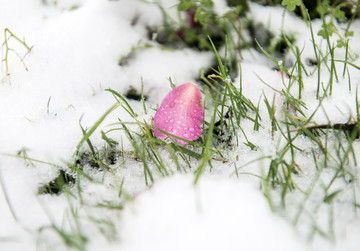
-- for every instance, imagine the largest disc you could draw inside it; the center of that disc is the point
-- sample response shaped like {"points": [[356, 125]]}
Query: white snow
{"points": [[74, 58], [213, 215]]}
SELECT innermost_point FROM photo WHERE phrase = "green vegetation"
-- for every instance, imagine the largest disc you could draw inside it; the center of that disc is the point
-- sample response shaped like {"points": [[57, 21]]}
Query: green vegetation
{"points": [[8, 35], [329, 148]]}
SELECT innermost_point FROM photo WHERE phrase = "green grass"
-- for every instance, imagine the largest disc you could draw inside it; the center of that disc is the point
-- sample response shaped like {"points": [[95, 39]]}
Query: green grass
{"points": [[7, 199], [329, 149], [7, 36]]}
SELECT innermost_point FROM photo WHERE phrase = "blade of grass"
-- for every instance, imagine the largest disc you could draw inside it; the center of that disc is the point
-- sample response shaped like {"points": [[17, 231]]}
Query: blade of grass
{"points": [[7, 198], [87, 135], [206, 154]]}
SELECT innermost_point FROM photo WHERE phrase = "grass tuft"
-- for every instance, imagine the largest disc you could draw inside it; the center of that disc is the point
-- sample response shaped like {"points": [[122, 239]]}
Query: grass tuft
{"points": [[7, 35]]}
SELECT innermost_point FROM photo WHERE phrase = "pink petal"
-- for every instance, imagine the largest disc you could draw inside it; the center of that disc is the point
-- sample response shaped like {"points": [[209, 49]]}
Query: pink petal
{"points": [[181, 113]]}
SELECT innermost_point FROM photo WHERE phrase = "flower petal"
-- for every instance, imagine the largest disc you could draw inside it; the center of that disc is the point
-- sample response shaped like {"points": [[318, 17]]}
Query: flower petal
{"points": [[180, 113]]}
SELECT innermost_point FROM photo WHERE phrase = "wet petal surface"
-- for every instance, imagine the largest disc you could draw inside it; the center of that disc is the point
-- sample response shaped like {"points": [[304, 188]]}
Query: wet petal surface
{"points": [[181, 113]]}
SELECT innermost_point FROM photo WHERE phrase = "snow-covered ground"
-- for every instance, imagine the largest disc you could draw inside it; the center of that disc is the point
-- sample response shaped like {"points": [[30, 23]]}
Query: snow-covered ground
{"points": [[74, 58]]}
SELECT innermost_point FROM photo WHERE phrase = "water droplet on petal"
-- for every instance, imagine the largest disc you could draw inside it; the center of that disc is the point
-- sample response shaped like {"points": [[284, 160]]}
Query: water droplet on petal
{"points": [[187, 113]]}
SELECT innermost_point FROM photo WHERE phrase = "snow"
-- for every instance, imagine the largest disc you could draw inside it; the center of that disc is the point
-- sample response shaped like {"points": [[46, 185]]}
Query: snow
{"points": [[213, 215], [74, 58], [158, 74]]}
